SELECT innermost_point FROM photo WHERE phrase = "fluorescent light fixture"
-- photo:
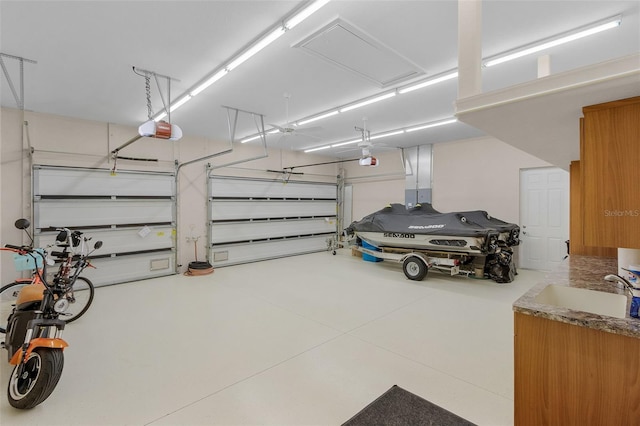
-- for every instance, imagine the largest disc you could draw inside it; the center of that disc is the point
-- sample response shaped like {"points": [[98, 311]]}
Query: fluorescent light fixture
{"points": [[384, 135], [178, 104], [252, 50], [250, 138], [429, 82], [217, 76], [317, 149], [318, 117], [430, 125], [368, 101], [389, 133], [563, 38], [264, 42], [305, 13], [183, 100], [254, 137], [335, 145]]}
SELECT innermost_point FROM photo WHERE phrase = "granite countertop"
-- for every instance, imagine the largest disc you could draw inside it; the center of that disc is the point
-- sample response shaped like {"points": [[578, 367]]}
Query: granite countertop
{"points": [[581, 272]]}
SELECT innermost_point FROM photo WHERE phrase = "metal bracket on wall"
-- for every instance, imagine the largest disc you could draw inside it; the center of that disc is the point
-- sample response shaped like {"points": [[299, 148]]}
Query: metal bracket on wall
{"points": [[19, 97]]}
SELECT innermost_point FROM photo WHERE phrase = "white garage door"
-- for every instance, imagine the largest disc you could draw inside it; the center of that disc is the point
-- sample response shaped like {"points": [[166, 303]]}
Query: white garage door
{"points": [[132, 212], [259, 219]]}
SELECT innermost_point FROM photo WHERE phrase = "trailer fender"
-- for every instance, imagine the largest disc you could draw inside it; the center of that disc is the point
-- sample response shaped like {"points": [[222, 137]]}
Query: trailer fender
{"points": [[423, 256]]}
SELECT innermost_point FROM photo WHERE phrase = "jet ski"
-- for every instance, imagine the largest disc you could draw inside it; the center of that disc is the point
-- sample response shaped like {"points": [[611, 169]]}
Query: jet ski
{"points": [[467, 235]]}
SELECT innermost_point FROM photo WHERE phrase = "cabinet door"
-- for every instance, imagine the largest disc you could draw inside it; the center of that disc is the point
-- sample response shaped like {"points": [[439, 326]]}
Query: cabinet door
{"points": [[610, 165], [567, 374], [576, 212]]}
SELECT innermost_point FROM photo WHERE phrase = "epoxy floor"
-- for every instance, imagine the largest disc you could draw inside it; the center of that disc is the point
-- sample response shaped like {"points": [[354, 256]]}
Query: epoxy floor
{"points": [[308, 340]]}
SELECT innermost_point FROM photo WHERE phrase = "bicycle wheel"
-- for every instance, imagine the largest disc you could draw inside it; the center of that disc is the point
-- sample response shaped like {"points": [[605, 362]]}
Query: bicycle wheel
{"points": [[8, 295], [80, 297]]}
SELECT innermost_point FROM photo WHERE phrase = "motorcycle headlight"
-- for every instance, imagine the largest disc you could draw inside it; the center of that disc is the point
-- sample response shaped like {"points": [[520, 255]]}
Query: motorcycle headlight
{"points": [[61, 305]]}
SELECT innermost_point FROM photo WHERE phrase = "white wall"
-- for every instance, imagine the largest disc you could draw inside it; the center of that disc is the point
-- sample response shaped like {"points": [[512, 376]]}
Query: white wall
{"points": [[375, 187], [476, 174], [81, 143], [480, 174]]}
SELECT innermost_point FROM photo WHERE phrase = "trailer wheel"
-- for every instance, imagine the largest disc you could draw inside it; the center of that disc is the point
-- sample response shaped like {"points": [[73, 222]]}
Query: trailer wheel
{"points": [[414, 268]]}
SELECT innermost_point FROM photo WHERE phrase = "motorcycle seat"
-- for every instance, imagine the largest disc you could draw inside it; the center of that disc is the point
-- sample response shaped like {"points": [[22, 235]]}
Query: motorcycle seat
{"points": [[30, 293]]}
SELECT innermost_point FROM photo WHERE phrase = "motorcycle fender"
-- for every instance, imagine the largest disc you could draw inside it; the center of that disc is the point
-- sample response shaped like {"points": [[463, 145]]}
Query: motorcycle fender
{"points": [[40, 342]]}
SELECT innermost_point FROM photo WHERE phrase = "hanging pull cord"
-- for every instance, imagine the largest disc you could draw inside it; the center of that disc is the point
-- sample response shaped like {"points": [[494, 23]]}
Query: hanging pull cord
{"points": [[147, 87]]}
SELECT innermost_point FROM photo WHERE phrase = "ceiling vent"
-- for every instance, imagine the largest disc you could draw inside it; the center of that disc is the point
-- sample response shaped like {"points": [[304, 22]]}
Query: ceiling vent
{"points": [[349, 48]]}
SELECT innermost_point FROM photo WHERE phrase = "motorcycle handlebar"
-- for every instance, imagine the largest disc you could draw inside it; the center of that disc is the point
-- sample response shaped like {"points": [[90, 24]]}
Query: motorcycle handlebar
{"points": [[21, 248]]}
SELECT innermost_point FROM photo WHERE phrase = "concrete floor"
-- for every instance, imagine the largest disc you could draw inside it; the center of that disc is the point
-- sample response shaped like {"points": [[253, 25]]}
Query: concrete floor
{"points": [[307, 340]]}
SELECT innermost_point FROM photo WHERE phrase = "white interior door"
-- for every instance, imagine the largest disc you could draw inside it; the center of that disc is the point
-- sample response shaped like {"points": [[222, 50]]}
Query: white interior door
{"points": [[544, 217]]}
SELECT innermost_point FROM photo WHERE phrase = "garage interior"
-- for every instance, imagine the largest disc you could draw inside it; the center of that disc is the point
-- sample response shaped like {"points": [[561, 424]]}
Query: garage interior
{"points": [[280, 115]]}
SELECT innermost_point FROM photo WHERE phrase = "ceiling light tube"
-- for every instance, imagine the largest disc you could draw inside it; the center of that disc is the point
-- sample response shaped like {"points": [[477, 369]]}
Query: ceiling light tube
{"points": [[257, 136], [264, 42], [217, 76], [429, 82], [252, 50], [183, 100], [368, 101], [318, 117], [317, 149], [430, 125], [179, 103], [335, 145], [249, 139], [384, 135], [563, 38], [305, 13]]}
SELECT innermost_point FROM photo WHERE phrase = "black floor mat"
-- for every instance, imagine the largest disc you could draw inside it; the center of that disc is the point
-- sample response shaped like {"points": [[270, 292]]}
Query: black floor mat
{"points": [[397, 407]]}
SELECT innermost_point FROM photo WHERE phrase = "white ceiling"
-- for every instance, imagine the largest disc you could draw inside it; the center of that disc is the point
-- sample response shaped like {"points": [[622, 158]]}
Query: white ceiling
{"points": [[85, 51]]}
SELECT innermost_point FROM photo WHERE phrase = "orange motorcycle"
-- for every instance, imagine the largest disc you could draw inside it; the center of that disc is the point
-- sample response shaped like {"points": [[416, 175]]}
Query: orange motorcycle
{"points": [[34, 325]]}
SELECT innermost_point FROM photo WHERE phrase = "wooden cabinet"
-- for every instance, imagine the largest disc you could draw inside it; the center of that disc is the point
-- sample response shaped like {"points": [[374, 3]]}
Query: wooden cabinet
{"points": [[576, 209], [610, 174], [571, 375]]}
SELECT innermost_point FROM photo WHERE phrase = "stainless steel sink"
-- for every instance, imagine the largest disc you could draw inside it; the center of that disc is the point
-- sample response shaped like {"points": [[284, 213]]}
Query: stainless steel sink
{"points": [[580, 299]]}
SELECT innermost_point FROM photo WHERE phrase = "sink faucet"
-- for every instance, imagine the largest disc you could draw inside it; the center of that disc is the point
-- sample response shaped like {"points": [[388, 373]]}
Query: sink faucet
{"points": [[613, 278], [634, 311]]}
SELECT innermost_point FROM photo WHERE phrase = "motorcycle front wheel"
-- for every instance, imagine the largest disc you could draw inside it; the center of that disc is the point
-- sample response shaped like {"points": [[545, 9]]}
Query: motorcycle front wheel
{"points": [[33, 382]]}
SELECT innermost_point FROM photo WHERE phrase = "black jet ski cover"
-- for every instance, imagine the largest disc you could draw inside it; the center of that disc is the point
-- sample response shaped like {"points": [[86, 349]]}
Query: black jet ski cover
{"points": [[421, 220], [483, 218]]}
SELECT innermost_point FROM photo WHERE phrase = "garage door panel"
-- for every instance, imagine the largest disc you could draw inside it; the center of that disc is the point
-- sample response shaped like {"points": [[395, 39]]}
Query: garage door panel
{"points": [[122, 240], [224, 187], [91, 182], [269, 218], [264, 209], [244, 253], [82, 212], [120, 269], [132, 212], [223, 232]]}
